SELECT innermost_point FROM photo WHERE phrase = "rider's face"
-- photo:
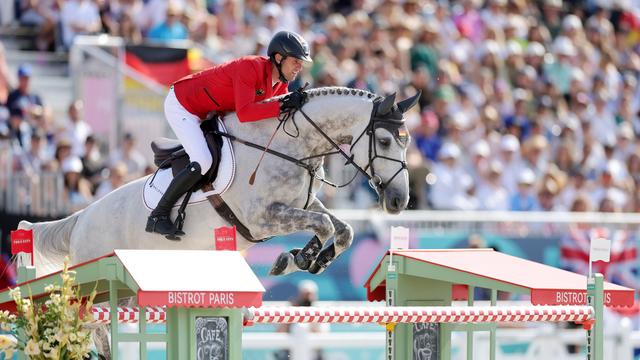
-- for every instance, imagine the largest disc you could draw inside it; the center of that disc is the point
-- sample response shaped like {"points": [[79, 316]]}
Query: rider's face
{"points": [[291, 67]]}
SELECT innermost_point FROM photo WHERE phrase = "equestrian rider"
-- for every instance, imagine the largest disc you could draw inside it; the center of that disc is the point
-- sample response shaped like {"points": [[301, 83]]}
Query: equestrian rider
{"points": [[238, 85]]}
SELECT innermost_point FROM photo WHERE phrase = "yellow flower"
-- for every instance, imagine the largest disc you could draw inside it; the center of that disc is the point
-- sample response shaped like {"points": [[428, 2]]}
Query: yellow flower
{"points": [[32, 348], [6, 342], [8, 353]]}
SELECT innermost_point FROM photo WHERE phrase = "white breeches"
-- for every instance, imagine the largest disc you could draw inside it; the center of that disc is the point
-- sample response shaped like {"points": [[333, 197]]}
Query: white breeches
{"points": [[186, 126]]}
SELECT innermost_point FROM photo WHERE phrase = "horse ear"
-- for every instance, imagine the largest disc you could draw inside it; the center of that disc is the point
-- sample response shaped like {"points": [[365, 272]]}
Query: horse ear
{"points": [[386, 104], [407, 104]]}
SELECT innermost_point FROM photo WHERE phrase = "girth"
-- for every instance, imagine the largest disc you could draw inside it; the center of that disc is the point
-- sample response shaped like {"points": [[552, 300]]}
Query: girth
{"points": [[226, 213]]}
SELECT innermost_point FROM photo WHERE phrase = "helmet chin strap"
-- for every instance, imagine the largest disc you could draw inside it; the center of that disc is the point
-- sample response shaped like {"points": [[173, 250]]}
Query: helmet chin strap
{"points": [[279, 67]]}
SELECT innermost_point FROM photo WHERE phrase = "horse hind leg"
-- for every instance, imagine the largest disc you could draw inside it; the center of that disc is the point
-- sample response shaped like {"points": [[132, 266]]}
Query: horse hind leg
{"points": [[101, 341]]}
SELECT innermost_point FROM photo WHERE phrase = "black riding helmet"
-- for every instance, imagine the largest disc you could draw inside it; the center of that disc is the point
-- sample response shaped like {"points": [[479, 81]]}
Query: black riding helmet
{"points": [[287, 43]]}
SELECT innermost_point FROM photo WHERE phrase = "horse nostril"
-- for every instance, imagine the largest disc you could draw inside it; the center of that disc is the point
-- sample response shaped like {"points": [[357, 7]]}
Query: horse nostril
{"points": [[397, 202]]}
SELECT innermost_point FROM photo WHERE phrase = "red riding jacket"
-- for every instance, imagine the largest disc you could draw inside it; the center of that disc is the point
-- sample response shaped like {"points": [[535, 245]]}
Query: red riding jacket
{"points": [[237, 86]]}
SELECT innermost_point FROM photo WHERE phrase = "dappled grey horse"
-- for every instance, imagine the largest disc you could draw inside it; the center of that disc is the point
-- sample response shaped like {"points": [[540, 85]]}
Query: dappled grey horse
{"points": [[281, 201]]}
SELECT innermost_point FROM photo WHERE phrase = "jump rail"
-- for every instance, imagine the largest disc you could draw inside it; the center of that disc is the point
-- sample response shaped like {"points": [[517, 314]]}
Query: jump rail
{"points": [[381, 315]]}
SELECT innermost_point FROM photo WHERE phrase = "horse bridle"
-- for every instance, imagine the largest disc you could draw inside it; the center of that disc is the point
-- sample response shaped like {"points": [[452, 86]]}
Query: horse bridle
{"points": [[374, 123]]}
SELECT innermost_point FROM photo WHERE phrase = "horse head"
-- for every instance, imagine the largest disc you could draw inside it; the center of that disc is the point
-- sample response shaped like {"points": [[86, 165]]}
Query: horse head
{"points": [[383, 148]]}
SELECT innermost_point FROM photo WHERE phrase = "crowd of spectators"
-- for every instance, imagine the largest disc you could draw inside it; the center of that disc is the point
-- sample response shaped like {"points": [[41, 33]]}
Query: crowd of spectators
{"points": [[526, 105], [39, 144]]}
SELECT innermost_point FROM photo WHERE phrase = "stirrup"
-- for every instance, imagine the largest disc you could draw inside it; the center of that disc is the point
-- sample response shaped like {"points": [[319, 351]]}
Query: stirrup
{"points": [[171, 234]]}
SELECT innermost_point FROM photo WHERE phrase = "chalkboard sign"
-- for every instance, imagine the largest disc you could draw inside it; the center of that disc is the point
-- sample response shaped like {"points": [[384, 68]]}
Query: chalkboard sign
{"points": [[212, 338], [425, 341]]}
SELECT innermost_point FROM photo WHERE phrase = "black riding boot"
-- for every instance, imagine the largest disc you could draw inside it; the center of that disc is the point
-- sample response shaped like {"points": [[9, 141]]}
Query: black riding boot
{"points": [[159, 220]]}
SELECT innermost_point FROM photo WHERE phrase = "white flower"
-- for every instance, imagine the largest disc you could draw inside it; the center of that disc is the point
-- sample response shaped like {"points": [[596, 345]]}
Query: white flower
{"points": [[6, 342], [73, 337], [32, 348], [15, 293]]}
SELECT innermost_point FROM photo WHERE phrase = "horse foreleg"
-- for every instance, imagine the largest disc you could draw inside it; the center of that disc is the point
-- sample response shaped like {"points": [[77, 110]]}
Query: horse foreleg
{"points": [[342, 241], [285, 220]]}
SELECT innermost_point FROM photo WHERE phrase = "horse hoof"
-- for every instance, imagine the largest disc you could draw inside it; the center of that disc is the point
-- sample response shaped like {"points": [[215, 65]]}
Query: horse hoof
{"points": [[281, 265], [305, 257], [317, 269], [301, 262]]}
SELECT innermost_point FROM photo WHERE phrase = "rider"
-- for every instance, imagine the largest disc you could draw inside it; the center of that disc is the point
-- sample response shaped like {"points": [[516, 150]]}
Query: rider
{"points": [[238, 85]]}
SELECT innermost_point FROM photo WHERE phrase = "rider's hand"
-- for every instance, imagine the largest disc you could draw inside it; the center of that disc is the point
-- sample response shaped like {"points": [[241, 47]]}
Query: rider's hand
{"points": [[293, 101]]}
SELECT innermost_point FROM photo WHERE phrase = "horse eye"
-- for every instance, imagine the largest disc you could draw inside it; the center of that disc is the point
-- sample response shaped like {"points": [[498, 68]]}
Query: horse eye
{"points": [[384, 142]]}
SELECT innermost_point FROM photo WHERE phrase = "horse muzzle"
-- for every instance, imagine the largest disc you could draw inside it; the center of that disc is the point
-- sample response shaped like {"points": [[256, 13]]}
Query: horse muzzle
{"points": [[393, 201]]}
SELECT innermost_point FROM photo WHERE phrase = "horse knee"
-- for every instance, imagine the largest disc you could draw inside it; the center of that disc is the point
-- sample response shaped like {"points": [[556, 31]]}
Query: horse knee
{"points": [[204, 160], [344, 238], [325, 228]]}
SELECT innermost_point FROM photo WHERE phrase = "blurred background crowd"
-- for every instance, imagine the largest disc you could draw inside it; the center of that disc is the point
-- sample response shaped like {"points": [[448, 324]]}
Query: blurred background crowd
{"points": [[526, 105]]}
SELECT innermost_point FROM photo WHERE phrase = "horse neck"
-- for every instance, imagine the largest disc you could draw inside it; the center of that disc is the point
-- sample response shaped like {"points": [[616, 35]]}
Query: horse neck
{"points": [[342, 118]]}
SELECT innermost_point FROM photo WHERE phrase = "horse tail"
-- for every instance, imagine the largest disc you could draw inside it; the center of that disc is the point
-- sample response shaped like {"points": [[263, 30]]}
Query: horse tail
{"points": [[50, 242]]}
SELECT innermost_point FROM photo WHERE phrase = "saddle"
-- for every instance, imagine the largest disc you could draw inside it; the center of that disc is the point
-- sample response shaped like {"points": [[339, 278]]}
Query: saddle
{"points": [[169, 153]]}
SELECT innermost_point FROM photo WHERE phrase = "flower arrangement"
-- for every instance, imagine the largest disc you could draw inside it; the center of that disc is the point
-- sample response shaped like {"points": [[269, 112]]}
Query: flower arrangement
{"points": [[56, 330]]}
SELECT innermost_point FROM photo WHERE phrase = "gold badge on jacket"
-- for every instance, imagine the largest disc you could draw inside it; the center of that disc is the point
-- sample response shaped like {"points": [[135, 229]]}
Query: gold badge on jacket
{"points": [[259, 92]]}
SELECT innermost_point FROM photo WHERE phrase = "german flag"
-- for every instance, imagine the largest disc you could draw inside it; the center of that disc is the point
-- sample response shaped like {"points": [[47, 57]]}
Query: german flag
{"points": [[163, 65]]}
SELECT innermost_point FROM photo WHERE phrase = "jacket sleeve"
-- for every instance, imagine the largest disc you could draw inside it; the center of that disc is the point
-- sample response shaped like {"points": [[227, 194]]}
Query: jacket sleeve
{"points": [[244, 92]]}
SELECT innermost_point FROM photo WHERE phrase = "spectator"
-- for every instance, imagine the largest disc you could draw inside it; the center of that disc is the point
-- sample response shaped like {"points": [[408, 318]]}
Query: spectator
{"points": [[76, 129], [78, 17], [561, 69], [578, 186], [426, 136], [44, 16], [492, 195], [92, 161], [307, 296], [607, 188], [547, 196], [450, 190], [19, 130], [77, 188], [510, 158], [21, 100], [130, 156], [524, 199], [171, 28], [63, 151], [33, 161], [117, 176]]}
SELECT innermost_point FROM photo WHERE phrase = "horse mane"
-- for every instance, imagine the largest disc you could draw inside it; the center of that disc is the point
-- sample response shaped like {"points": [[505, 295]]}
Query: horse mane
{"points": [[333, 90]]}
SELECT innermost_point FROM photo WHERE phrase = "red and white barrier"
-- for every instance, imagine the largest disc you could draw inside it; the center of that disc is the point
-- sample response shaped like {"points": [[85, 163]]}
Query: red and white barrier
{"points": [[380, 315], [129, 315], [407, 314]]}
